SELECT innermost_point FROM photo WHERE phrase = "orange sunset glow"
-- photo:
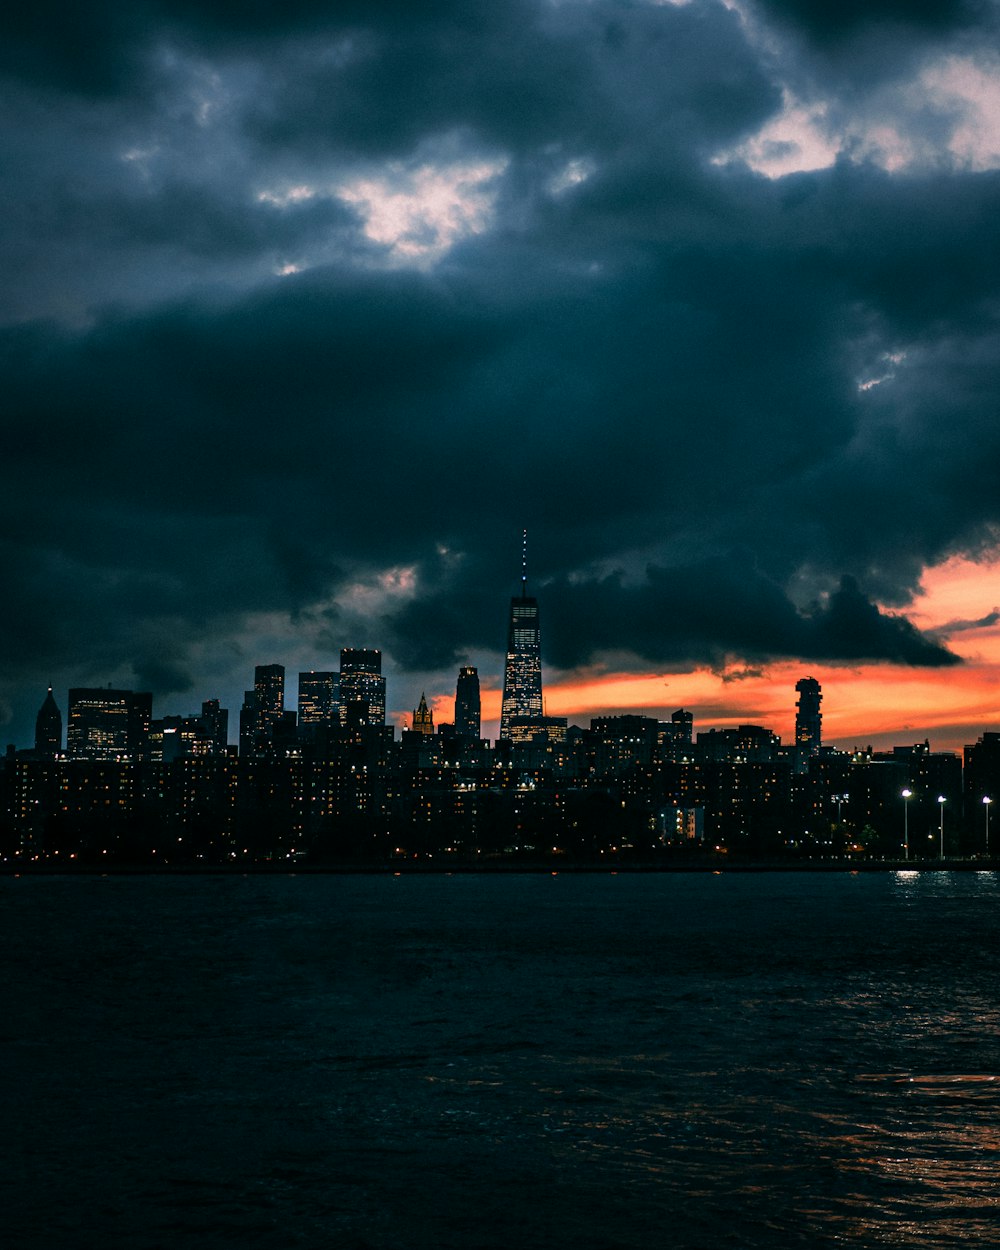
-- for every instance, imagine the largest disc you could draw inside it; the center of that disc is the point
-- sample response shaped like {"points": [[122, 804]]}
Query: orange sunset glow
{"points": [[867, 704]]}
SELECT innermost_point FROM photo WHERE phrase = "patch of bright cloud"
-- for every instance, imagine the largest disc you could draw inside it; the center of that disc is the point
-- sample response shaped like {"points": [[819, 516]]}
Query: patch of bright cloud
{"points": [[794, 141], [376, 595], [285, 196], [890, 358], [971, 92], [418, 214], [950, 112], [571, 175]]}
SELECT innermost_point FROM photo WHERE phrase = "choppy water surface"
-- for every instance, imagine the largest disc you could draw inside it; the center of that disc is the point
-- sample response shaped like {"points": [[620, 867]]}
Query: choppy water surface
{"points": [[766, 1060]]}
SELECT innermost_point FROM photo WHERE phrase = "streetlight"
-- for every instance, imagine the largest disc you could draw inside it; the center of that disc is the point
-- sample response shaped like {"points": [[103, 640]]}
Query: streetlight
{"points": [[941, 802], [986, 804], [907, 795]]}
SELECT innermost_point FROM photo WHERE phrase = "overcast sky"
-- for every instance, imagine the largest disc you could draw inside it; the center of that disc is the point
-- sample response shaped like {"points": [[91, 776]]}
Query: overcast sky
{"points": [[307, 309]]}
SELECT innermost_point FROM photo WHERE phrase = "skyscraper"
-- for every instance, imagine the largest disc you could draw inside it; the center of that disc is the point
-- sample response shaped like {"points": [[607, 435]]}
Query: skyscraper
{"points": [[362, 687], [269, 687], [808, 718], [467, 705], [106, 724], [522, 676], [48, 728], [318, 701], [263, 711], [215, 723]]}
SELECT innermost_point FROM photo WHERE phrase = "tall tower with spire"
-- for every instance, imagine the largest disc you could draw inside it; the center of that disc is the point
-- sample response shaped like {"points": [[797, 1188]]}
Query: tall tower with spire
{"points": [[522, 677], [423, 717]]}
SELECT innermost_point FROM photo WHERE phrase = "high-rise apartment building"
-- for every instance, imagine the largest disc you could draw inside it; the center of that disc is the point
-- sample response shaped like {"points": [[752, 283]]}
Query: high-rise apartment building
{"points": [[362, 687], [522, 675], [468, 713], [808, 718], [48, 728], [107, 724]]}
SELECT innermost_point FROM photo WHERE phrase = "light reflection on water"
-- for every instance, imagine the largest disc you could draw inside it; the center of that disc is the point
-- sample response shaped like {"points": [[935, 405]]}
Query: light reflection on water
{"points": [[765, 1061]]}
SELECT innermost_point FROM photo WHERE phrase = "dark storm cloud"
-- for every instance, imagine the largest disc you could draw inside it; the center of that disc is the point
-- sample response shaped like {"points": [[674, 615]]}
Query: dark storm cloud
{"points": [[722, 608], [836, 19], [736, 414]]}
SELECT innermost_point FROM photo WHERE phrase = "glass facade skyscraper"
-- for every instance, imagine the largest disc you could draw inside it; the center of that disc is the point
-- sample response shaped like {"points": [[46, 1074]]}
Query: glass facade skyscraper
{"points": [[522, 677], [362, 687]]}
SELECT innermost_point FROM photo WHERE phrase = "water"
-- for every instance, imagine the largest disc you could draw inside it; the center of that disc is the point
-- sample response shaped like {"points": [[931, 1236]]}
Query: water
{"points": [[595, 1062]]}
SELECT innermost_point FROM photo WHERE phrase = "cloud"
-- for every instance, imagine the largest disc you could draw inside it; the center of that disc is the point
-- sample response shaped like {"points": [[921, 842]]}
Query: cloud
{"points": [[299, 298]]}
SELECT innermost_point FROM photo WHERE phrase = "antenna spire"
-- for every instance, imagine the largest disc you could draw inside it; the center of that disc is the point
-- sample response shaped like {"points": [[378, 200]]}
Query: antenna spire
{"points": [[524, 563]]}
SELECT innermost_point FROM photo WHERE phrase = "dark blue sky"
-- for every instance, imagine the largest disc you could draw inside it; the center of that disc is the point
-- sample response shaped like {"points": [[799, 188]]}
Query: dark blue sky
{"points": [[307, 309]]}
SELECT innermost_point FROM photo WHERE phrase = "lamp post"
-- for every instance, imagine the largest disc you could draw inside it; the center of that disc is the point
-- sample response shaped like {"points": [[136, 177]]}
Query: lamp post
{"points": [[941, 802], [907, 795], [986, 804]]}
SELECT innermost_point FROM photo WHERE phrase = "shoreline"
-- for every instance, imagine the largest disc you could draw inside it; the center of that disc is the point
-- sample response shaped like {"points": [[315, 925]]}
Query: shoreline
{"points": [[526, 868]]}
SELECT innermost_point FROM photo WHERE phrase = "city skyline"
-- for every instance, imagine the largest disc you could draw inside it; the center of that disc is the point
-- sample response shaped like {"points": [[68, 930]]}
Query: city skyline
{"points": [[309, 312]]}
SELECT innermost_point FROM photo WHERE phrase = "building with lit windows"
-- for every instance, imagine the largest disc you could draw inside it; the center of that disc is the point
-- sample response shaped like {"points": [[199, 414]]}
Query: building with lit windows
{"points": [[362, 687], [319, 695], [423, 717], [262, 717], [522, 676], [107, 724], [808, 717]]}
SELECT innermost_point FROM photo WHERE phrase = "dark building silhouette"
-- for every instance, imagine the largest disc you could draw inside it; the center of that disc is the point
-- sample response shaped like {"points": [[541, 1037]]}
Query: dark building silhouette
{"points": [[215, 720], [522, 676], [263, 720], [745, 743], [362, 687], [982, 793], [48, 728], [808, 718], [623, 742], [468, 714], [108, 724], [682, 722]]}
